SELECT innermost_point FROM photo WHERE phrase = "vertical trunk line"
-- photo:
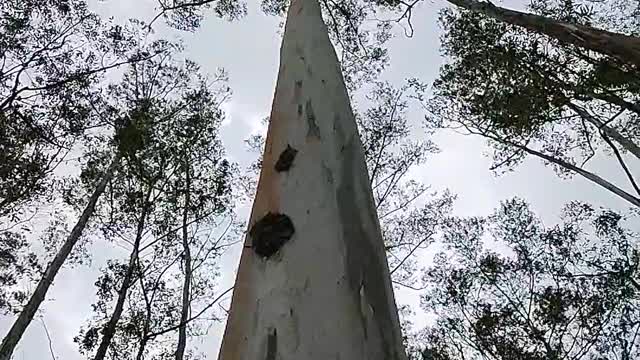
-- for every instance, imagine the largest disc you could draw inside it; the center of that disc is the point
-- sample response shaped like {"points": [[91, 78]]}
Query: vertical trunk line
{"points": [[186, 287], [28, 312], [110, 329]]}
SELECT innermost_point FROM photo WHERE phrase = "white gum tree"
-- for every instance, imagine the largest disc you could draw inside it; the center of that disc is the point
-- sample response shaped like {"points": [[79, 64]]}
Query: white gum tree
{"points": [[313, 280]]}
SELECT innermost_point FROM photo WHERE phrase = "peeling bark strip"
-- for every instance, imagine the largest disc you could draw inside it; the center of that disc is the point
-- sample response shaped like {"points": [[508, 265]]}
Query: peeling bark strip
{"points": [[622, 47], [270, 233], [286, 159]]}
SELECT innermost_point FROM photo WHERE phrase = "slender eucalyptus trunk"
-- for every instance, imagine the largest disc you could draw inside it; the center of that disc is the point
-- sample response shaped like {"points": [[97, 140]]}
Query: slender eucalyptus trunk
{"points": [[28, 312], [313, 281], [144, 337], [109, 330], [186, 287], [622, 47]]}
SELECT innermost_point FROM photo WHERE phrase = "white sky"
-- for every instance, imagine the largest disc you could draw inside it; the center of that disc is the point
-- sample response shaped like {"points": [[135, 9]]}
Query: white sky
{"points": [[248, 50]]}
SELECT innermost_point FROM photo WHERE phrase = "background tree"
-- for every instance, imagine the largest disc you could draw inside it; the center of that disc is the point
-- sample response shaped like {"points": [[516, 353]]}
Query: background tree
{"points": [[507, 287], [530, 95], [408, 210], [165, 204], [53, 53], [622, 47], [187, 15]]}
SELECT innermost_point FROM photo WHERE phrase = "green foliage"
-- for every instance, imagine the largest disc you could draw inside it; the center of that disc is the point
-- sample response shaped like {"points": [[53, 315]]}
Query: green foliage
{"points": [[188, 15], [17, 265], [54, 54], [537, 292], [531, 95], [166, 119]]}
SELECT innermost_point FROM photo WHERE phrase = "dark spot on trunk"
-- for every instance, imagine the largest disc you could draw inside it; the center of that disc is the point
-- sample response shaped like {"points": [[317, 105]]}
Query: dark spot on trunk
{"points": [[272, 345], [297, 92], [299, 110], [328, 174], [286, 159], [314, 130], [270, 233]]}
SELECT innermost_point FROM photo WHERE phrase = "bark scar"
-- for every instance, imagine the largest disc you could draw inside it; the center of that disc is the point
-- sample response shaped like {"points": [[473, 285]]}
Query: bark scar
{"points": [[286, 159], [270, 233]]}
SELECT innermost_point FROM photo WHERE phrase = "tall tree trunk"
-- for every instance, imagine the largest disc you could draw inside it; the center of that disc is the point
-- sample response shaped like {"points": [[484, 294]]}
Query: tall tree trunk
{"points": [[622, 47], [324, 292], [110, 329], [28, 312], [186, 287]]}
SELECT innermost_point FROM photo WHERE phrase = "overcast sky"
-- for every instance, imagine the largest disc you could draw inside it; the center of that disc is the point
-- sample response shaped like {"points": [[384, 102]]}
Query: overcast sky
{"points": [[248, 50]]}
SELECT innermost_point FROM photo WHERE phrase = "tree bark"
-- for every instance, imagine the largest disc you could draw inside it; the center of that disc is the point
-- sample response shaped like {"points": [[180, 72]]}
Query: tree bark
{"points": [[28, 312], [110, 329], [622, 47], [186, 287], [326, 293]]}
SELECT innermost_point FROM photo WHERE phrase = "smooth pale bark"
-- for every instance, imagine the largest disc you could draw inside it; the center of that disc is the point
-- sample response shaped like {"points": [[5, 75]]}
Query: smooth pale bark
{"points": [[28, 312], [622, 47], [110, 329], [326, 294], [186, 286]]}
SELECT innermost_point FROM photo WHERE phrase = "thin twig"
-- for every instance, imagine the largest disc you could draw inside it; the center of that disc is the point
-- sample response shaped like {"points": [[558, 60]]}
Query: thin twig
{"points": [[46, 331]]}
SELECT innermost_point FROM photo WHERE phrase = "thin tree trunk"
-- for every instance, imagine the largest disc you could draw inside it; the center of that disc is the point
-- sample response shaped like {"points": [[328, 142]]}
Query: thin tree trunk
{"points": [[143, 345], [626, 143], [110, 329], [186, 287], [323, 291], [622, 47], [144, 337], [28, 312]]}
